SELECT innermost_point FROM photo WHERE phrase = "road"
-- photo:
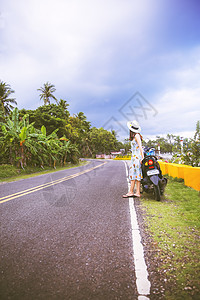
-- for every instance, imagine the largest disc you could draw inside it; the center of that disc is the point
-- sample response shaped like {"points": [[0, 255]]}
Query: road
{"points": [[67, 235]]}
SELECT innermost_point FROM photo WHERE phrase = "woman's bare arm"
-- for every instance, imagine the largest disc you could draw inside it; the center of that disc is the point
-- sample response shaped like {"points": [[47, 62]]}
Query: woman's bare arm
{"points": [[138, 140]]}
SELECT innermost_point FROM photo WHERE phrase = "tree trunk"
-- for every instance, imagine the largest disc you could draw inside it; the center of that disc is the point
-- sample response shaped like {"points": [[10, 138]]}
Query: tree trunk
{"points": [[89, 149], [22, 157], [65, 157], [11, 159]]}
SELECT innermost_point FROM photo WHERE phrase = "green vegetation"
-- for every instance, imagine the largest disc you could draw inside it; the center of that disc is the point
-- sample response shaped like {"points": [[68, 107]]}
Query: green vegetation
{"points": [[22, 144], [174, 224], [12, 173], [191, 154]]}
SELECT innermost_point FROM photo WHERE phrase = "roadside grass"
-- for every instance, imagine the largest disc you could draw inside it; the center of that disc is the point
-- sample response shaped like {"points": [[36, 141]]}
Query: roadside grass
{"points": [[174, 224], [11, 173]]}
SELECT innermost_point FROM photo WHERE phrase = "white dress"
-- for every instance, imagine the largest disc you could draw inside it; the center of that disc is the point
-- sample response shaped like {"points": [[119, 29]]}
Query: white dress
{"points": [[135, 170]]}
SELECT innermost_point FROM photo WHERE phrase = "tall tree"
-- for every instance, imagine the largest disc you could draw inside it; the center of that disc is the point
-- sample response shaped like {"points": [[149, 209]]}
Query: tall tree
{"points": [[52, 116], [102, 141], [5, 100], [47, 93], [78, 130]]}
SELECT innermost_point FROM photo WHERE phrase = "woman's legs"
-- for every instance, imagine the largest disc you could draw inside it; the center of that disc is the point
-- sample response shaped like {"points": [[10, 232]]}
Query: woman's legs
{"points": [[130, 193], [137, 188], [132, 187]]}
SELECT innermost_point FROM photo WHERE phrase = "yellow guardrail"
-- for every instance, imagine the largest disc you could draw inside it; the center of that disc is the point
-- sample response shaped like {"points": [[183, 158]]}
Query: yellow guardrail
{"points": [[191, 175], [125, 157]]}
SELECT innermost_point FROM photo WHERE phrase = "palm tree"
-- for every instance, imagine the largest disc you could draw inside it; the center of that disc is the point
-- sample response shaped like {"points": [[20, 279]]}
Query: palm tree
{"points": [[5, 101], [63, 104], [47, 92]]}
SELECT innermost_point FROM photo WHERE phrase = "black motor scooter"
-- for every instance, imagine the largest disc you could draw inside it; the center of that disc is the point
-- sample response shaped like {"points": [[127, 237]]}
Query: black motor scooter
{"points": [[153, 180]]}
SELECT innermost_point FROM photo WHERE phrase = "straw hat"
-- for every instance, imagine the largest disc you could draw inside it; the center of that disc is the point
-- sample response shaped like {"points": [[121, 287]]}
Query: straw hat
{"points": [[134, 126]]}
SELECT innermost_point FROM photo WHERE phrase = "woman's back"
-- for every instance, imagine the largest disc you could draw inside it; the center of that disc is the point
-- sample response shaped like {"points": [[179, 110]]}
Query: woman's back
{"points": [[135, 149]]}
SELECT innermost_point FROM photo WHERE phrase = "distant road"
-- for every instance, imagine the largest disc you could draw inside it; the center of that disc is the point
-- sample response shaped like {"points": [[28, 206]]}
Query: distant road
{"points": [[166, 156], [67, 235]]}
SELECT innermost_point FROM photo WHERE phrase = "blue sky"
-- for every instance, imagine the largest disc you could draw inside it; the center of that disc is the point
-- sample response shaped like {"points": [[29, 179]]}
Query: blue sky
{"points": [[114, 60]]}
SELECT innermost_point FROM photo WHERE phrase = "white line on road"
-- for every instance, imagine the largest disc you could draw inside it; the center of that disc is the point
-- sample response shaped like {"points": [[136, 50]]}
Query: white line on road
{"points": [[142, 282]]}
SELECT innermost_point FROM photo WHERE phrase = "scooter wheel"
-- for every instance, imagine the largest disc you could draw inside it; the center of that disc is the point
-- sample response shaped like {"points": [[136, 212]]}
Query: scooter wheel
{"points": [[157, 192]]}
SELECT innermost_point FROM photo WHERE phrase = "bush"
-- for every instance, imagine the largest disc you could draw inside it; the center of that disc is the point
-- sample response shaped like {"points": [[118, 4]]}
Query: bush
{"points": [[8, 171], [192, 156]]}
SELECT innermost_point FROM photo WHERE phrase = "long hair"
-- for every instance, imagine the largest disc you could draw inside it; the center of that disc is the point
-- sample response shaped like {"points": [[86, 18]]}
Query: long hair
{"points": [[132, 135]]}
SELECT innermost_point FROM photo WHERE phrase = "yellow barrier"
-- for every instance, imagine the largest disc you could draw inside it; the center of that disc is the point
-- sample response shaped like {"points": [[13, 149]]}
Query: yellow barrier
{"points": [[181, 170], [166, 168], [192, 177], [122, 158], [177, 170], [172, 170], [163, 167]]}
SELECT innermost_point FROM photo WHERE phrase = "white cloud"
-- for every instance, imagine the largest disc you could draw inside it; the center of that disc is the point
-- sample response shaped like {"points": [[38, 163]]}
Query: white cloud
{"points": [[77, 45], [68, 34], [178, 107], [175, 95], [94, 50]]}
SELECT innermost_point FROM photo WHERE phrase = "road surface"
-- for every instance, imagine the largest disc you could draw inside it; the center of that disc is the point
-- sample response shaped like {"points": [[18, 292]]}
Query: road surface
{"points": [[68, 235]]}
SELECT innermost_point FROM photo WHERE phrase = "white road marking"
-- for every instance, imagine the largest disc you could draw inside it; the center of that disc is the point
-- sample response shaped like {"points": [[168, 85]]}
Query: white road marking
{"points": [[142, 282]]}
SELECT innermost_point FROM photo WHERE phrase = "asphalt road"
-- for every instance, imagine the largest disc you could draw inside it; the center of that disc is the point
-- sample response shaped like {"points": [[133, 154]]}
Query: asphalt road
{"points": [[69, 240]]}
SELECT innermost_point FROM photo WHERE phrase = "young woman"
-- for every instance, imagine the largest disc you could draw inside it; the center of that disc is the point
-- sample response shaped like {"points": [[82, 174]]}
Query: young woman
{"points": [[135, 170]]}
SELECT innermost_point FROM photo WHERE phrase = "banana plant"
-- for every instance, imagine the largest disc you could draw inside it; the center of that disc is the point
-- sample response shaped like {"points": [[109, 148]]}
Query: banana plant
{"points": [[10, 136], [48, 145], [15, 134], [66, 148], [27, 145], [69, 148]]}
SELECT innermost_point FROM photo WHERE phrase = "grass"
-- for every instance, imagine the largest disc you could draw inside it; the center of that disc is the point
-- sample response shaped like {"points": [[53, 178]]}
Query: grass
{"points": [[11, 173], [174, 224]]}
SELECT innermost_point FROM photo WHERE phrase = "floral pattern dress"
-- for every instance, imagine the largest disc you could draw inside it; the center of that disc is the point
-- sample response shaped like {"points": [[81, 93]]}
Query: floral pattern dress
{"points": [[135, 170]]}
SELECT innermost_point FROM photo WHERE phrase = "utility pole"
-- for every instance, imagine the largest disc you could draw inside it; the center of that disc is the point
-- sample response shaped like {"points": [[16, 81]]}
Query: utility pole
{"points": [[158, 149], [181, 142]]}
